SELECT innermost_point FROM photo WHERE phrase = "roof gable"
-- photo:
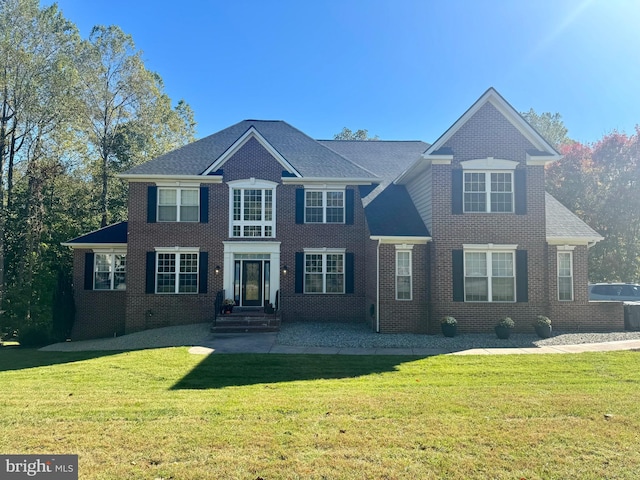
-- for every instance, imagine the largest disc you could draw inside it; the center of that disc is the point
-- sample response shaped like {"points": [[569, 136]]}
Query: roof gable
{"points": [[543, 150]]}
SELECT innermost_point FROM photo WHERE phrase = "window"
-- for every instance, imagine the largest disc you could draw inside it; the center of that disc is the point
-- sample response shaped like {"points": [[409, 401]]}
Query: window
{"points": [[489, 276], [323, 272], [178, 205], [110, 271], [565, 275], [323, 206], [177, 272], [253, 212], [488, 191], [403, 275]]}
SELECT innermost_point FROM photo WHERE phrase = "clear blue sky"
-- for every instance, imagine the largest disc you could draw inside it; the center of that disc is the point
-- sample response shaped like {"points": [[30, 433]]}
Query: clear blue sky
{"points": [[403, 69]]}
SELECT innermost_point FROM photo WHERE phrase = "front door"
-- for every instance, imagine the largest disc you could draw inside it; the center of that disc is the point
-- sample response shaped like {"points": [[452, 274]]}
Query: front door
{"points": [[252, 283]]}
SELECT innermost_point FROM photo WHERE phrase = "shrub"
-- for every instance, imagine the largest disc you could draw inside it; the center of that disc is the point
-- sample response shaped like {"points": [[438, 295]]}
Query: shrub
{"points": [[542, 321], [35, 336], [506, 322], [449, 320]]}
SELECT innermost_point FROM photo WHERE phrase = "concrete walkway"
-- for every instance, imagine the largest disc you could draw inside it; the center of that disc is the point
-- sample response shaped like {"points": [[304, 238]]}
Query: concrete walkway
{"points": [[266, 343]]}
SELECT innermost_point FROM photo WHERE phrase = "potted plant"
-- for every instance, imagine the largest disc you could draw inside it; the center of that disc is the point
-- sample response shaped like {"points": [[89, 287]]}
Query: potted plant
{"points": [[503, 328], [448, 324], [227, 305], [542, 325]]}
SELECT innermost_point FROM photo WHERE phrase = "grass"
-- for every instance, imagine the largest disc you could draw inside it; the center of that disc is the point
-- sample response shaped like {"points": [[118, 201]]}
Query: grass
{"points": [[163, 413]]}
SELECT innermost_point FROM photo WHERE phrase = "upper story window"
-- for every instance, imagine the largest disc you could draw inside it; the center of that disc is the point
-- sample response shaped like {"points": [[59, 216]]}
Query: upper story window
{"points": [[322, 206], [178, 204], [110, 271], [252, 208], [488, 191]]}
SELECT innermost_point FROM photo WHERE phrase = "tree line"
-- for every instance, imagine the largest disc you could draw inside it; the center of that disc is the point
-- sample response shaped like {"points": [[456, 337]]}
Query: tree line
{"points": [[74, 112]]}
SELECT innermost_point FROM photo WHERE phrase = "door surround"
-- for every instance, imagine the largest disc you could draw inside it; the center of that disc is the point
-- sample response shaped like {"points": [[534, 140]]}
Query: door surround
{"points": [[232, 248]]}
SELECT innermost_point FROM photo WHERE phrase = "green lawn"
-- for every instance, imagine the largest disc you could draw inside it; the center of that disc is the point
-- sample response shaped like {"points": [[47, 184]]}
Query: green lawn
{"points": [[163, 413]]}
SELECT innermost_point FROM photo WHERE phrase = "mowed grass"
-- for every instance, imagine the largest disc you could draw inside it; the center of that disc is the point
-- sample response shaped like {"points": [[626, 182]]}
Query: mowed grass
{"points": [[163, 413]]}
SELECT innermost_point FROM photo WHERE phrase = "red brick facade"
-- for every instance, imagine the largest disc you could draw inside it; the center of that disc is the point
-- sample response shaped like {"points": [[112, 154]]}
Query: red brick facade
{"points": [[488, 133]]}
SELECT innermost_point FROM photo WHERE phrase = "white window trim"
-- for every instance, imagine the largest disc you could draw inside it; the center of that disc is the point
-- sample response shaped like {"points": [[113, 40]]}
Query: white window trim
{"points": [[487, 190], [490, 249], [178, 204], [405, 249], [252, 184], [324, 252], [562, 251], [112, 253], [177, 251], [324, 205]]}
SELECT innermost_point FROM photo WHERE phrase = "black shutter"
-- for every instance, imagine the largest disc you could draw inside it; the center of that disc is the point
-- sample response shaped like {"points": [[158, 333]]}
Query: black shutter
{"points": [[522, 276], [349, 273], [520, 187], [151, 272], [204, 272], [152, 200], [299, 205], [88, 270], [456, 192], [299, 272], [457, 261], [204, 204], [348, 203]]}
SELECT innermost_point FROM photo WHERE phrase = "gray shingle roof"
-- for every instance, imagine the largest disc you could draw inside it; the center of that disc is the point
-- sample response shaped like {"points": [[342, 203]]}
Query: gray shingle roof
{"points": [[116, 233], [306, 155], [386, 159], [392, 213], [562, 223]]}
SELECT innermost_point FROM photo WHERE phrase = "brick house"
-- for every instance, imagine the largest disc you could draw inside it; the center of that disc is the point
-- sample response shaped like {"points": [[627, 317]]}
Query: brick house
{"points": [[393, 233]]}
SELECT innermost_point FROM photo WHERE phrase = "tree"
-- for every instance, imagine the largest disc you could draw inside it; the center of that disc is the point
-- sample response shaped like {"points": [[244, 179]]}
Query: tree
{"points": [[550, 126], [347, 134]]}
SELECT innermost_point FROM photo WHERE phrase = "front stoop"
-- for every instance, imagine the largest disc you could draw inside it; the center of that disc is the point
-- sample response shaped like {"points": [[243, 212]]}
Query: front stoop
{"points": [[246, 321]]}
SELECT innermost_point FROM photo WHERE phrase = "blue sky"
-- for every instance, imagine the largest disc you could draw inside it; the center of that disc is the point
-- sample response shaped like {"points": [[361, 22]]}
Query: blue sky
{"points": [[403, 69]]}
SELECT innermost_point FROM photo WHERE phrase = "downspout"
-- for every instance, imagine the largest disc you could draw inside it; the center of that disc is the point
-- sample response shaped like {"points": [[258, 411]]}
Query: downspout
{"points": [[378, 287]]}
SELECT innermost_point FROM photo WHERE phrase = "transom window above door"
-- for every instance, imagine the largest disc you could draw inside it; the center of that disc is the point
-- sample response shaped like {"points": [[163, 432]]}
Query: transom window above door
{"points": [[252, 208]]}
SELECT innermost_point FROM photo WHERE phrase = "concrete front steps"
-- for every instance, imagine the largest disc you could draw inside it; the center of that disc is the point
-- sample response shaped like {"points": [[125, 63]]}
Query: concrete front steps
{"points": [[246, 320]]}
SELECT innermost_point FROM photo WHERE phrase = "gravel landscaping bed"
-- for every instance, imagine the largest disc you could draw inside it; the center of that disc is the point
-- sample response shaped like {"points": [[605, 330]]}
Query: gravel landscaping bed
{"points": [[339, 335], [361, 336]]}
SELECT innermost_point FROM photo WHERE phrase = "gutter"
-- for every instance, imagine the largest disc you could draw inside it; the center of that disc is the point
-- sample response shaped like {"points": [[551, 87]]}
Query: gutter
{"points": [[378, 286]]}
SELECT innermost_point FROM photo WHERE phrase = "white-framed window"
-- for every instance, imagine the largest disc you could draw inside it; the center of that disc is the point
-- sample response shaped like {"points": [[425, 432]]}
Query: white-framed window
{"points": [[253, 208], [489, 276], [565, 276], [324, 206], [110, 271], [178, 204], [324, 271], [177, 272], [404, 277], [490, 191]]}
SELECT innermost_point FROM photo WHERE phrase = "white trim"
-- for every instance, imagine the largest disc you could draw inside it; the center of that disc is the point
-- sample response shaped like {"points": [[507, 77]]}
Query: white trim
{"points": [[570, 253], [489, 163], [119, 251], [252, 184], [231, 248], [399, 239], [542, 159], [404, 246], [324, 251], [565, 248], [237, 145], [172, 179], [177, 249], [488, 246], [588, 241], [409, 251], [493, 97], [328, 182], [324, 192], [90, 246]]}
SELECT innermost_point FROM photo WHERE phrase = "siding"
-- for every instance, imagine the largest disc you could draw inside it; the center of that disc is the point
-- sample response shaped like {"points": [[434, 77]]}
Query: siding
{"points": [[420, 192]]}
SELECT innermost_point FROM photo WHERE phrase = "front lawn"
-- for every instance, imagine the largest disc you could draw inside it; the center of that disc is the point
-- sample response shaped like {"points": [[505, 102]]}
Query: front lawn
{"points": [[163, 413]]}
